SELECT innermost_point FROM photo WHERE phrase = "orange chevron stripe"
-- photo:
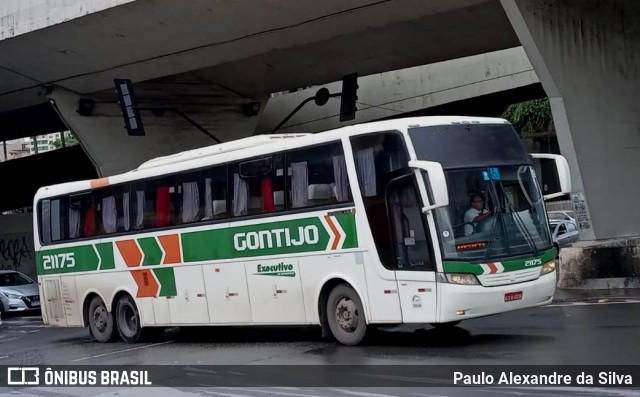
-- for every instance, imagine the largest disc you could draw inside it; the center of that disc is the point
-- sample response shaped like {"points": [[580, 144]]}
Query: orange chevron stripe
{"points": [[130, 252], [493, 267], [335, 232], [147, 285], [171, 246]]}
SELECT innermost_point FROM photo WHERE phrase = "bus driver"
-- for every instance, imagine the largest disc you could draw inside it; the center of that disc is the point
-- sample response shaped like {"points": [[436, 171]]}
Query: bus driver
{"points": [[475, 214]]}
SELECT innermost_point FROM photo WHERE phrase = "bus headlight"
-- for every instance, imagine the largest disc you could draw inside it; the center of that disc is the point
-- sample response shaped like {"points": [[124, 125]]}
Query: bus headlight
{"points": [[458, 278], [548, 268]]}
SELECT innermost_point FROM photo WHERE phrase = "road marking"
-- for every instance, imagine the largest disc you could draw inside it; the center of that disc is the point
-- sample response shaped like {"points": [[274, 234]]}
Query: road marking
{"points": [[225, 394], [599, 391], [121, 351], [4, 357], [268, 391], [361, 393], [570, 304]]}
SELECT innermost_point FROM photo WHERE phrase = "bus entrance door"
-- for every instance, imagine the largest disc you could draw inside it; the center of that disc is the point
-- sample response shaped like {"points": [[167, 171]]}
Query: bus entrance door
{"points": [[414, 264]]}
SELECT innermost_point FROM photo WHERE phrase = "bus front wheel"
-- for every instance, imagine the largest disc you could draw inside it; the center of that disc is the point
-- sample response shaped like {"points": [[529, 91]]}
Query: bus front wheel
{"points": [[128, 319], [345, 315], [100, 321]]}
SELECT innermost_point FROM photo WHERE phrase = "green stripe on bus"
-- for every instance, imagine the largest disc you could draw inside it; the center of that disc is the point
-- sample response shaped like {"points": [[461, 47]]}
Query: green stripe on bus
{"points": [[67, 260], [348, 224], [105, 250], [509, 265], [167, 280], [151, 250]]}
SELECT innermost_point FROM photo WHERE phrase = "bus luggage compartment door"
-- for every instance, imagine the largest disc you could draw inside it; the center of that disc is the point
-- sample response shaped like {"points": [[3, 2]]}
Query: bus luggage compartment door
{"points": [[275, 291], [227, 293], [53, 302]]}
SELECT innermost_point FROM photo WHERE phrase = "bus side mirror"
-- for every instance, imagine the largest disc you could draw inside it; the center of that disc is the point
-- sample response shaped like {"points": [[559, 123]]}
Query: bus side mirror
{"points": [[435, 183], [555, 177]]}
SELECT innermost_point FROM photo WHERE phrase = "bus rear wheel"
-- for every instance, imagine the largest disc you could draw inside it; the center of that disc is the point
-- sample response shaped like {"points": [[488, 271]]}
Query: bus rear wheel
{"points": [[128, 319], [345, 315], [100, 321]]}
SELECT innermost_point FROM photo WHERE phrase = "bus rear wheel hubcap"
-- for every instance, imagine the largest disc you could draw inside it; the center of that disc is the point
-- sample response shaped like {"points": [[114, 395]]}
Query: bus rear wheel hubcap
{"points": [[346, 315]]}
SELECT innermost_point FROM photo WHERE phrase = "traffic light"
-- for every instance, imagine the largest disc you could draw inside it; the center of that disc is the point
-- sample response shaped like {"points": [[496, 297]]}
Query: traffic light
{"points": [[128, 105], [349, 97]]}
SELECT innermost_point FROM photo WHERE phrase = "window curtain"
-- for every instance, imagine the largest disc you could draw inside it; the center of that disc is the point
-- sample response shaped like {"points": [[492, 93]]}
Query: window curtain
{"points": [[299, 184], [126, 211], [240, 196], [90, 221], [208, 199], [109, 215], [74, 221], [267, 195], [47, 230], [56, 222], [140, 209], [341, 179], [190, 202], [163, 206], [365, 163]]}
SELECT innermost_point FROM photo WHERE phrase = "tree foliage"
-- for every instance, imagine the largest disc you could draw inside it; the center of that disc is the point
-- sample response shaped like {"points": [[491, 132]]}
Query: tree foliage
{"points": [[530, 117], [68, 141]]}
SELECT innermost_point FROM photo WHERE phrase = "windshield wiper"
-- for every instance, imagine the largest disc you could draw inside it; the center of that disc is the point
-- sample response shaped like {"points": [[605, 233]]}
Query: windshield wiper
{"points": [[491, 237], [528, 237]]}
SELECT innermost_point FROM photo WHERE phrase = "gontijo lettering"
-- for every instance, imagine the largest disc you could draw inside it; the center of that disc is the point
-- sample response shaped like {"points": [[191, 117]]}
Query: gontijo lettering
{"points": [[276, 238]]}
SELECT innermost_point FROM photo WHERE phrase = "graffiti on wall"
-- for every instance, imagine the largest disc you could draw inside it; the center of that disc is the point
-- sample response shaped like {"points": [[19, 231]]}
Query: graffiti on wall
{"points": [[16, 253]]}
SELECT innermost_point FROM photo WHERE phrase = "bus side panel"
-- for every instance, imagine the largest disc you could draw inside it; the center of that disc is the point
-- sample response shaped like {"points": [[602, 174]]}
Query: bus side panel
{"points": [[275, 291], [382, 287], [106, 285], [227, 293], [145, 308], [70, 302], [317, 270]]}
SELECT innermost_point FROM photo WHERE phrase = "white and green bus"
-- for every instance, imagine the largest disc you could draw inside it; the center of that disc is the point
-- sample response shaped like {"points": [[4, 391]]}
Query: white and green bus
{"points": [[365, 225]]}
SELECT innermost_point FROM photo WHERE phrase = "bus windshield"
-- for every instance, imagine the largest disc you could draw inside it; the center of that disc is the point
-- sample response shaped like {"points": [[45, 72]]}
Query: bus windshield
{"points": [[493, 212]]}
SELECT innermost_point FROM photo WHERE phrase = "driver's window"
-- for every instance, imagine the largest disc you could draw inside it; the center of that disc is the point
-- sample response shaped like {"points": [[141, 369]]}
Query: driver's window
{"points": [[562, 229], [411, 245]]}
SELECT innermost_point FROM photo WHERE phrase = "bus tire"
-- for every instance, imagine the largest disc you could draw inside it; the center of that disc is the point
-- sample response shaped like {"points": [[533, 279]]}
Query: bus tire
{"points": [[128, 319], [100, 321], [345, 315]]}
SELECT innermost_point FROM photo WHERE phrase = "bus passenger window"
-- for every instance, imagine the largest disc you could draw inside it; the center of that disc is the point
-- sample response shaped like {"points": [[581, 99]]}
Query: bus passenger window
{"points": [[202, 195], [113, 209], [258, 186], [82, 216], [153, 203], [52, 220], [318, 176], [379, 158]]}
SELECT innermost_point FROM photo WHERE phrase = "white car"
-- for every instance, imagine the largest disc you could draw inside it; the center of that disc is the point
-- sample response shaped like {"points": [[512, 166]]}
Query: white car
{"points": [[564, 233], [18, 293], [561, 216]]}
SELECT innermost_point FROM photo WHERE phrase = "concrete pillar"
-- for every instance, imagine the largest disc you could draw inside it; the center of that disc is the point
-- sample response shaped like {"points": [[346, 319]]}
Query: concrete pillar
{"points": [[102, 135], [586, 54]]}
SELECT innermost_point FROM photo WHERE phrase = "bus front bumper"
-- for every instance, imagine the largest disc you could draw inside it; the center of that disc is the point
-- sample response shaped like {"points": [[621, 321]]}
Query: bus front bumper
{"points": [[462, 302]]}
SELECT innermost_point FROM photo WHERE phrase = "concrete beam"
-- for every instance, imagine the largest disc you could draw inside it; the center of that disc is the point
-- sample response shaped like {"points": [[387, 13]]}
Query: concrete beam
{"points": [[106, 141], [251, 47], [402, 91]]}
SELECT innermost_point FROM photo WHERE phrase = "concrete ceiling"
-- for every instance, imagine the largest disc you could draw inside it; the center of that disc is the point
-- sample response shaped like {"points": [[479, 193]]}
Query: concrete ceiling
{"points": [[250, 47]]}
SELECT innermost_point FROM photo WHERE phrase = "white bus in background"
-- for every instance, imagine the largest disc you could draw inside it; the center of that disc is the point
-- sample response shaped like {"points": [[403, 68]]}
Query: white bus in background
{"points": [[347, 228]]}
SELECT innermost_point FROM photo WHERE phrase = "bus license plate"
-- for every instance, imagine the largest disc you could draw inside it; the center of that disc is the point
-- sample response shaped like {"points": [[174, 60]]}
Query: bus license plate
{"points": [[513, 296]]}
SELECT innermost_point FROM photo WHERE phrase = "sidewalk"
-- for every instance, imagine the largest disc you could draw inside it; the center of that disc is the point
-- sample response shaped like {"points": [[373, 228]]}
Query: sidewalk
{"points": [[572, 295]]}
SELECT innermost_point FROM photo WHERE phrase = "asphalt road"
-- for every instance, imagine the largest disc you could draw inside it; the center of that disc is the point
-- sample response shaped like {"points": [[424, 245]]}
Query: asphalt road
{"points": [[562, 334]]}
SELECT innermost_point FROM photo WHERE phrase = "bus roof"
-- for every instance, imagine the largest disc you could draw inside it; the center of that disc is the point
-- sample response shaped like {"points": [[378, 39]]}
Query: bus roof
{"points": [[248, 147]]}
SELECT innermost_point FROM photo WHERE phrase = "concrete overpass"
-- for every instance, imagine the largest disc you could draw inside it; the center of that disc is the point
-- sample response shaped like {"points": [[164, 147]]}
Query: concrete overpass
{"points": [[221, 57]]}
